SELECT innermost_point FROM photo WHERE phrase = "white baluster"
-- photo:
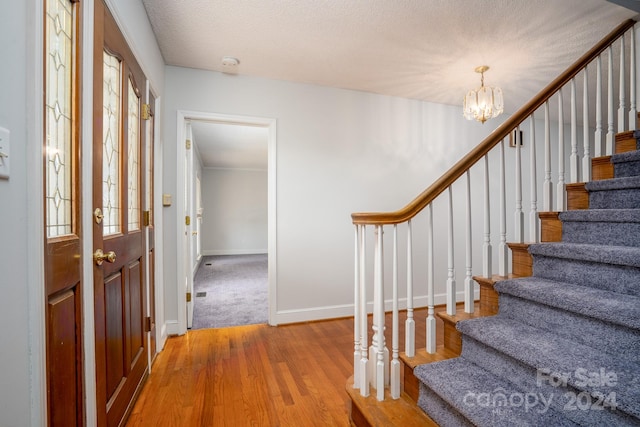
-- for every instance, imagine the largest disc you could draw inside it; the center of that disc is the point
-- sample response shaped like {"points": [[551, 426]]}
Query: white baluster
{"points": [[562, 196], [519, 215], [431, 320], [633, 113], [410, 326], [486, 246], [597, 136], [378, 326], [451, 280], [609, 140], [548, 184], [468, 279], [623, 91], [586, 150], [573, 158], [364, 361], [503, 249], [533, 212], [395, 363], [356, 313]]}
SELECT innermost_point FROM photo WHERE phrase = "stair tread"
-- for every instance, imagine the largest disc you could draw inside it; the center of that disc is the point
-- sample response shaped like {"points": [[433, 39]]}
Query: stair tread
{"points": [[490, 281], [462, 315], [544, 350], [629, 156], [617, 255], [601, 304], [422, 357], [601, 215], [458, 382], [624, 183], [402, 411]]}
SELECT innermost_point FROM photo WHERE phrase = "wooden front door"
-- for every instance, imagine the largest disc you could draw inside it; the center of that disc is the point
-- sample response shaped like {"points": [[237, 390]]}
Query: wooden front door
{"points": [[118, 228], [62, 219]]}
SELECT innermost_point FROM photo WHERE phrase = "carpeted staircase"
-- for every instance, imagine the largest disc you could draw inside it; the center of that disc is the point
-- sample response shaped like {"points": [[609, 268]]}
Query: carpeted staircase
{"points": [[564, 348]]}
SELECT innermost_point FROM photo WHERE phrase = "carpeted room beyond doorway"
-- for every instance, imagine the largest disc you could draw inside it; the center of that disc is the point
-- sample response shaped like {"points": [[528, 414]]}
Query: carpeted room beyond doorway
{"points": [[230, 290]]}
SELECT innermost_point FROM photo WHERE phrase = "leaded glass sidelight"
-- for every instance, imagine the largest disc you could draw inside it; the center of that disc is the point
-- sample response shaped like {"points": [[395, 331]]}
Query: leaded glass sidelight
{"points": [[111, 145], [134, 158], [58, 116]]}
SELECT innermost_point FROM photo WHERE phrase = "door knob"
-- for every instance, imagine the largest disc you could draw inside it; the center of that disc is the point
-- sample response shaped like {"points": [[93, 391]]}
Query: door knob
{"points": [[99, 257]]}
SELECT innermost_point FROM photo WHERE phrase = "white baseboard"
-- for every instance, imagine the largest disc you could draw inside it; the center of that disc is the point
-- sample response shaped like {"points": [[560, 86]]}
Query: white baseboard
{"points": [[171, 327], [161, 338], [196, 267], [331, 312], [234, 252]]}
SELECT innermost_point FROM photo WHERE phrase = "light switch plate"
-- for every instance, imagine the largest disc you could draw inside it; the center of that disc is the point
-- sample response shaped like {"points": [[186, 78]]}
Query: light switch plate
{"points": [[166, 200], [5, 152]]}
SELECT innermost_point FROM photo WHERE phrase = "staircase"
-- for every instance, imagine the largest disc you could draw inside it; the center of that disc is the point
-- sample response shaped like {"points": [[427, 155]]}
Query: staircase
{"points": [[555, 336], [564, 347], [561, 347]]}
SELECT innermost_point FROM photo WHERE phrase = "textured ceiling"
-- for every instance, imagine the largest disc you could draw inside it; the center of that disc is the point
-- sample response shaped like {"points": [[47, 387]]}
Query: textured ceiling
{"points": [[422, 49]]}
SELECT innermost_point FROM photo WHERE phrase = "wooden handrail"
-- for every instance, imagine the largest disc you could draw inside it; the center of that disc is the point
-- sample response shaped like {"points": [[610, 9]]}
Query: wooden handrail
{"points": [[501, 132]]}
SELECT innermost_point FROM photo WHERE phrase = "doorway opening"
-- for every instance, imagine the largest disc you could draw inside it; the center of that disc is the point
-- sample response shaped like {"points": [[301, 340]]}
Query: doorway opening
{"points": [[226, 167]]}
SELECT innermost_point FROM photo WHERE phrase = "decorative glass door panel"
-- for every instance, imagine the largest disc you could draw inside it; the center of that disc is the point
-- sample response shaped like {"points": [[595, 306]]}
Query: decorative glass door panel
{"points": [[134, 158], [58, 117], [111, 142]]}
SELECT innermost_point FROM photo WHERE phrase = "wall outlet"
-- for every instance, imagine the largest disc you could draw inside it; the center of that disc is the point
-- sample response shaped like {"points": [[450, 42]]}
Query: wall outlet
{"points": [[5, 153]]}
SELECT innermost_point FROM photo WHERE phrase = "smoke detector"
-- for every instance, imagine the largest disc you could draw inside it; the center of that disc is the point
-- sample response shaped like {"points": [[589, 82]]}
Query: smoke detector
{"points": [[230, 62]]}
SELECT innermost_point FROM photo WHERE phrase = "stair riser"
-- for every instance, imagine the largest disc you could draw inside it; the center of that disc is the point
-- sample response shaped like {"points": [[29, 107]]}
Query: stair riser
{"points": [[525, 378], [622, 341], [588, 274], [439, 410], [615, 199], [626, 169], [626, 143], [601, 233]]}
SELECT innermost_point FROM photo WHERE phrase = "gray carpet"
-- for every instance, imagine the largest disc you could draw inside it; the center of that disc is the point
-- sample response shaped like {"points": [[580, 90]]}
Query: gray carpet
{"points": [[235, 288], [564, 348]]}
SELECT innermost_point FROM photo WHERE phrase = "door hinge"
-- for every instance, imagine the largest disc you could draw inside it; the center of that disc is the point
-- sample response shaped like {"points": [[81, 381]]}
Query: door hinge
{"points": [[146, 218], [147, 324], [188, 296], [188, 144], [146, 111], [187, 220]]}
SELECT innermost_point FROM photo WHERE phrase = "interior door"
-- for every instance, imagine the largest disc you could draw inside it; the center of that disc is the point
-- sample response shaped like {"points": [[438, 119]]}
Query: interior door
{"points": [[62, 220], [189, 218], [118, 230]]}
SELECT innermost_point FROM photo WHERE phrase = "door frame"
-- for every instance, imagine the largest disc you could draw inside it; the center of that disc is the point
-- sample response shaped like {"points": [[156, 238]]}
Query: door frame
{"points": [[182, 117]]}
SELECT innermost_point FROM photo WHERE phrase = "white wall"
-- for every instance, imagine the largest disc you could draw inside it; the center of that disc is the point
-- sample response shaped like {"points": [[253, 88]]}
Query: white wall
{"points": [[338, 151], [14, 265], [235, 211]]}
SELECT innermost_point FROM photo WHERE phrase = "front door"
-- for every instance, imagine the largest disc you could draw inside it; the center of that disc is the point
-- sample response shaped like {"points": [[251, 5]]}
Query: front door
{"points": [[118, 228]]}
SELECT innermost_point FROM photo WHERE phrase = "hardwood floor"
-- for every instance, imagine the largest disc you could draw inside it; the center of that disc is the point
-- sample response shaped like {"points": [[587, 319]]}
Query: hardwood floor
{"points": [[258, 375]]}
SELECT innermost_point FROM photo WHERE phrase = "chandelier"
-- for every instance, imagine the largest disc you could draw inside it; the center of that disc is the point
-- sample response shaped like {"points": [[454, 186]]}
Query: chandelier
{"points": [[483, 103]]}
